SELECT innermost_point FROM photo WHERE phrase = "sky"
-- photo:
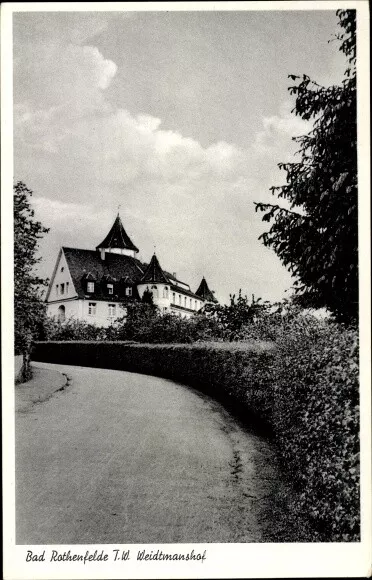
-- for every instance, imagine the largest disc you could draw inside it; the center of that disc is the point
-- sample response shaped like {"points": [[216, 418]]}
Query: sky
{"points": [[179, 118]]}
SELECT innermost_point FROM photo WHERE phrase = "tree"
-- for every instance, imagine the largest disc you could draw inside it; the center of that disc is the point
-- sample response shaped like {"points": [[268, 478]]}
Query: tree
{"points": [[233, 318], [316, 235], [136, 325], [29, 308], [147, 297]]}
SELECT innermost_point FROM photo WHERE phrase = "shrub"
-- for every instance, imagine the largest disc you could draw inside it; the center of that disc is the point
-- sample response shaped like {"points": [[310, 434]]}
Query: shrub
{"points": [[316, 406], [304, 387], [72, 329]]}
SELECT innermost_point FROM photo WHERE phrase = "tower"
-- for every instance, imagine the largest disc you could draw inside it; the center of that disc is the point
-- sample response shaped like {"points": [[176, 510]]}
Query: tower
{"points": [[117, 241], [157, 282]]}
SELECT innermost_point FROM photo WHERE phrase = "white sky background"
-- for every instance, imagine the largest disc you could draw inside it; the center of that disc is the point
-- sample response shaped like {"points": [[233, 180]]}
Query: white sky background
{"points": [[179, 117]]}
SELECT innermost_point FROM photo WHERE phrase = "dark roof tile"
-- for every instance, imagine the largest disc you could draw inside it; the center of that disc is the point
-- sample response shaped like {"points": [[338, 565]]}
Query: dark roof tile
{"points": [[154, 274], [204, 292], [84, 263], [118, 238]]}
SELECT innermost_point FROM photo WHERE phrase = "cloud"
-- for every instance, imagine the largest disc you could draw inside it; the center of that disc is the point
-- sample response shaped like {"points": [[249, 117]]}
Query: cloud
{"points": [[63, 28], [278, 131], [83, 156], [72, 76]]}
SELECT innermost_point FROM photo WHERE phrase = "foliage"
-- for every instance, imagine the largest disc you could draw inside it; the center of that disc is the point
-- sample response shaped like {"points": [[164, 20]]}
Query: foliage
{"points": [[305, 387], [72, 329], [316, 235], [233, 318], [144, 323], [29, 309], [139, 317], [147, 297], [316, 406]]}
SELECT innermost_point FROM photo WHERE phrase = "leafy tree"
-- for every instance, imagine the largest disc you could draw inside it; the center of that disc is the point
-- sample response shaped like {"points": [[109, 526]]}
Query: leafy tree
{"points": [[232, 318], [29, 308], [147, 297], [316, 235], [137, 322]]}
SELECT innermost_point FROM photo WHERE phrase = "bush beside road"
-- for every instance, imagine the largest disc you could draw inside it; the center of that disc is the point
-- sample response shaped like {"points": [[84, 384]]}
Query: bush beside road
{"points": [[305, 389]]}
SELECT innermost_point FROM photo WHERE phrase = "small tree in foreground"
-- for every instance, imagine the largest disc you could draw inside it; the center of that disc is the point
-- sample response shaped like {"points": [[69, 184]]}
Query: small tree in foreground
{"points": [[29, 308], [317, 236]]}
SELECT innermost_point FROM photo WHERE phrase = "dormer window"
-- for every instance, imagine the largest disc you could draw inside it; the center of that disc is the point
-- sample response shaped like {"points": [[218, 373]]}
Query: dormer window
{"points": [[110, 288], [90, 287]]}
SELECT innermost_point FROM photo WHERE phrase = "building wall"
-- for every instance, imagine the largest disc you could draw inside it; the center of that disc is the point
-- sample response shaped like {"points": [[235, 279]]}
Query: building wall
{"points": [[164, 298], [62, 293], [63, 280], [102, 315], [72, 308], [121, 251], [79, 310]]}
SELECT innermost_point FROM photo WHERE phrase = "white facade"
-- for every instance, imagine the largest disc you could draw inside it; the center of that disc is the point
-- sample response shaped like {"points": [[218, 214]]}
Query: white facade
{"points": [[172, 301], [64, 303], [84, 293], [62, 286], [93, 311]]}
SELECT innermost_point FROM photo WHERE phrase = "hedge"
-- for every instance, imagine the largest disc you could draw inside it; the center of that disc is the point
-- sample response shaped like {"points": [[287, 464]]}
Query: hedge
{"points": [[303, 389]]}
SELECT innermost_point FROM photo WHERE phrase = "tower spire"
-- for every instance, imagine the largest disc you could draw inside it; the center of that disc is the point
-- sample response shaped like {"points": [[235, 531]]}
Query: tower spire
{"points": [[154, 273], [117, 240]]}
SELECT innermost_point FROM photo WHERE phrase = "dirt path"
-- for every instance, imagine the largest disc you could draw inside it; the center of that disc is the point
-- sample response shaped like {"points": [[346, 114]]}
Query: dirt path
{"points": [[125, 458]]}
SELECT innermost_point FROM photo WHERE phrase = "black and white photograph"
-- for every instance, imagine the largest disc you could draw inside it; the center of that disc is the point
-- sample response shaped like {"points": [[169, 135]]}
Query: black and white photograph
{"points": [[185, 224]]}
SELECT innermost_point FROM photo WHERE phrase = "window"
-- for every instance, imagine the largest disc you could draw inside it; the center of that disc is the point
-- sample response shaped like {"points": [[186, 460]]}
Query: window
{"points": [[67, 285], [61, 314], [62, 269], [128, 292], [110, 288], [190, 303], [57, 288], [90, 287], [155, 292], [185, 302], [173, 297], [62, 288], [196, 305], [179, 300], [166, 292], [92, 307], [112, 310]]}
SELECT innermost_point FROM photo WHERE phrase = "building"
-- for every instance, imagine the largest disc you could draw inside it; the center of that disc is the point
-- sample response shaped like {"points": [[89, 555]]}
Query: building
{"points": [[95, 285]]}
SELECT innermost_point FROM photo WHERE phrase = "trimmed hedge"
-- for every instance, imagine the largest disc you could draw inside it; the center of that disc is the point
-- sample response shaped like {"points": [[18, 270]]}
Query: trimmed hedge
{"points": [[304, 389]]}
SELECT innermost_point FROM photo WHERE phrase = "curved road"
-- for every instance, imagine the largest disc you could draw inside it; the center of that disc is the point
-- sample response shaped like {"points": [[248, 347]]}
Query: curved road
{"points": [[126, 458]]}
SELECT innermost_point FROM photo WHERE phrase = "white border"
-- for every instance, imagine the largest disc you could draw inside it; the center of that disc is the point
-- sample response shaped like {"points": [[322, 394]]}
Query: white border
{"points": [[223, 560]]}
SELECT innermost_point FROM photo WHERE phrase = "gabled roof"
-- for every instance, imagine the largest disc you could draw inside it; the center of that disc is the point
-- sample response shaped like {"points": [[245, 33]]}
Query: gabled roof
{"points": [[154, 274], [81, 263], [204, 292], [117, 238]]}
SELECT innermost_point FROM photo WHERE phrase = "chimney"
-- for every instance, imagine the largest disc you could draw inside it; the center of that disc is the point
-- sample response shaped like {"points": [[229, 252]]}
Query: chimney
{"points": [[102, 253], [174, 275]]}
